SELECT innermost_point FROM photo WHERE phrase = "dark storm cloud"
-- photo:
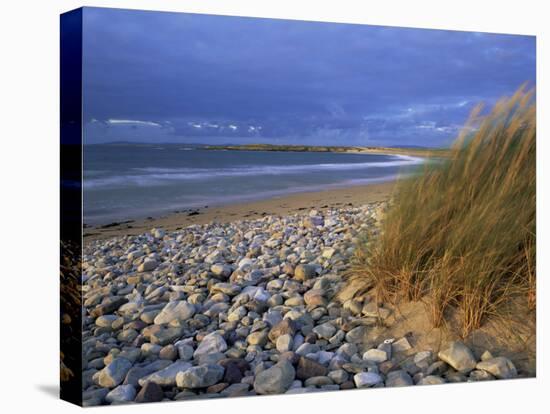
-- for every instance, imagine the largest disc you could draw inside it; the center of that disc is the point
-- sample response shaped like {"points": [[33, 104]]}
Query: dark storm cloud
{"points": [[152, 76]]}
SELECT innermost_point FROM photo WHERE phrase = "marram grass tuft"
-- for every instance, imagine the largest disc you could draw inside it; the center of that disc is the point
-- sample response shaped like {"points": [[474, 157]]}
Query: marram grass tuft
{"points": [[461, 234]]}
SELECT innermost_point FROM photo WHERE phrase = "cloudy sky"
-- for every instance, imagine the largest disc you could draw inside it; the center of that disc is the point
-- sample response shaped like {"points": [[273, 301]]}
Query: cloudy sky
{"points": [[173, 77]]}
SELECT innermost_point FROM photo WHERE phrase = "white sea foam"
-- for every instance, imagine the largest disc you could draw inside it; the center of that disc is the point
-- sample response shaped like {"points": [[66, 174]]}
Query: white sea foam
{"points": [[154, 176]]}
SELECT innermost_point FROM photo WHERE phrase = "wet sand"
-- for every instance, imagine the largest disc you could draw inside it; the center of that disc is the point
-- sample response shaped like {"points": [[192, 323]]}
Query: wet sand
{"points": [[282, 205]]}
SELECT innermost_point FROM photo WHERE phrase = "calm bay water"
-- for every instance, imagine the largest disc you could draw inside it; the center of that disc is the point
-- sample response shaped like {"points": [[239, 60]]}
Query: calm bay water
{"points": [[131, 181]]}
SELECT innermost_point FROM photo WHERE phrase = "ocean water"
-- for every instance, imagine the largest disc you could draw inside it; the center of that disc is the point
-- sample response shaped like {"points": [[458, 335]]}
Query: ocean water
{"points": [[124, 182]]}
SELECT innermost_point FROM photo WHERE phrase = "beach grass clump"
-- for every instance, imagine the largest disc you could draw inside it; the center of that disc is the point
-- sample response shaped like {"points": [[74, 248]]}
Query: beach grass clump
{"points": [[461, 235]]}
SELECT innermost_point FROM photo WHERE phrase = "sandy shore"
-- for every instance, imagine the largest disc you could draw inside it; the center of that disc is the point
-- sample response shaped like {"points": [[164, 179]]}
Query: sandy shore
{"points": [[282, 205]]}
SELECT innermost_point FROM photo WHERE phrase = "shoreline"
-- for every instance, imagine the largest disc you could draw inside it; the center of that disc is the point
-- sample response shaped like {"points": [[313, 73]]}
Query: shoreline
{"points": [[280, 205], [412, 152]]}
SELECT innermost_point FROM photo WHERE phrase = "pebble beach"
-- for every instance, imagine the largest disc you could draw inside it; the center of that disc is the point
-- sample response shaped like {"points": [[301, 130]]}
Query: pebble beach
{"points": [[248, 307]]}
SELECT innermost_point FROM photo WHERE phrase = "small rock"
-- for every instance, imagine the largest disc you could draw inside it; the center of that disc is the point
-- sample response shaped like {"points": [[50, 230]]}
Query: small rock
{"points": [[386, 347], [148, 265], [233, 374], [458, 356], [214, 257], [339, 376], [221, 270], [217, 388], [286, 326], [347, 350], [366, 379], [318, 381], [314, 298], [307, 368], [500, 367], [114, 373], [371, 310], [354, 306], [149, 316], [200, 377], [304, 272], [211, 343], [94, 397], [257, 338], [108, 306], [398, 378], [431, 380], [455, 377], [275, 380], [325, 331], [486, 355], [158, 233], [163, 335], [356, 335], [236, 390], [121, 394], [166, 377], [480, 375], [168, 352], [307, 348], [105, 321], [375, 355], [210, 359], [175, 311], [437, 368], [185, 351], [348, 385], [284, 343], [423, 359], [227, 288], [136, 373], [150, 392], [313, 221]]}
